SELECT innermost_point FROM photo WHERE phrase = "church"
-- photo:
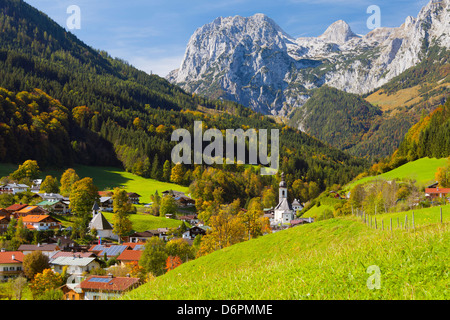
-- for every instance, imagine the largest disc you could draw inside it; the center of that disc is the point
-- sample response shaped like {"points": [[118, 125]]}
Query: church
{"points": [[284, 212]]}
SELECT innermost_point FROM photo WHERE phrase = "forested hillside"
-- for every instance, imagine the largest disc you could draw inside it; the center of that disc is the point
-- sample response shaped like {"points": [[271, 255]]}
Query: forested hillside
{"points": [[118, 114], [373, 125]]}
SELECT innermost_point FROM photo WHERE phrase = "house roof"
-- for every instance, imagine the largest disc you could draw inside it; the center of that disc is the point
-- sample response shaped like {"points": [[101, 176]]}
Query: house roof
{"points": [[49, 203], [72, 261], [50, 196], [284, 205], [437, 190], [144, 234], [106, 283], [16, 207], [37, 218], [6, 257], [99, 222], [29, 209], [130, 255], [71, 254], [42, 247], [110, 251]]}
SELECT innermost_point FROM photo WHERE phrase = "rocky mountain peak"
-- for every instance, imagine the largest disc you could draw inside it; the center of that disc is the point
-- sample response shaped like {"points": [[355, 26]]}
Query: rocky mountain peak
{"points": [[339, 32]]}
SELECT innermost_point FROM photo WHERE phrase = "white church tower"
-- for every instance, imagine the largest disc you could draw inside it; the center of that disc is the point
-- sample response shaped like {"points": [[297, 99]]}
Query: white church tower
{"points": [[283, 212]]}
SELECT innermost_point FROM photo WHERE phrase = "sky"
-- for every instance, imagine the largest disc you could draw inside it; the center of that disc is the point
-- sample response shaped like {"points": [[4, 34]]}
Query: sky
{"points": [[152, 34]]}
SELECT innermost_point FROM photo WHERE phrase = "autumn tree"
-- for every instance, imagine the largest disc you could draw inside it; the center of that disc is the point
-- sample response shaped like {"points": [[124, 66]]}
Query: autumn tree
{"points": [[179, 247], [177, 174], [226, 229], [172, 262], [45, 283], [68, 178], [34, 263], [82, 197], [269, 198], [443, 176], [156, 203], [168, 206], [122, 207], [252, 219], [50, 185], [154, 256], [29, 169]]}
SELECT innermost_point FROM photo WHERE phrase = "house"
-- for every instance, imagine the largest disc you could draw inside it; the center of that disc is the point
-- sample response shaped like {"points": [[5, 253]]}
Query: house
{"points": [[30, 210], [296, 205], [72, 291], [41, 222], [64, 242], [4, 222], [107, 287], [142, 236], [435, 193], [191, 219], [36, 186], [47, 249], [13, 188], [57, 207], [134, 197], [193, 232], [10, 264], [129, 256], [99, 223], [76, 265], [181, 199], [184, 201], [106, 203]]}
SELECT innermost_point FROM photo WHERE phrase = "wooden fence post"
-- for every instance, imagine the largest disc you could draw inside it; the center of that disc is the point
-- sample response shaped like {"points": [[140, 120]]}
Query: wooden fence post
{"points": [[391, 224], [413, 221], [406, 221]]}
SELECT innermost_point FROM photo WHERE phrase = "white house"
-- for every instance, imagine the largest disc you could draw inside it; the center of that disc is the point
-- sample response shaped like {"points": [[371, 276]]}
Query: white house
{"points": [[76, 265], [13, 188]]}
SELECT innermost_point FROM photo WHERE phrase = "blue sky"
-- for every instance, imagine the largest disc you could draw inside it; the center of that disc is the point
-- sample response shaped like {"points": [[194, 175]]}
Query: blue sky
{"points": [[152, 34]]}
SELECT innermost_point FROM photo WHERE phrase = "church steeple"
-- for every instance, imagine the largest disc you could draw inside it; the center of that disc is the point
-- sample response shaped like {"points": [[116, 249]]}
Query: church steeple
{"points": [[282, 189]]}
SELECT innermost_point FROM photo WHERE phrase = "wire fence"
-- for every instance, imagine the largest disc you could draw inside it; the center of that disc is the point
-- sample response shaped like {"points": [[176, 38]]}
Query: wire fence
{"points": [[400, 222]]}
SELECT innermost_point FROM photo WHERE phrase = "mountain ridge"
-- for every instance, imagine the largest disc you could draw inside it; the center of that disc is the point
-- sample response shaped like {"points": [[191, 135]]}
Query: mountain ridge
{"points": [[355, 64]]}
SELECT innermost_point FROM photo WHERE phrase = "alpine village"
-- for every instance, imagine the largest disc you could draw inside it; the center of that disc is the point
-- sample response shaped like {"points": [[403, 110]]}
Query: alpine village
{"points": [[92, 207]]}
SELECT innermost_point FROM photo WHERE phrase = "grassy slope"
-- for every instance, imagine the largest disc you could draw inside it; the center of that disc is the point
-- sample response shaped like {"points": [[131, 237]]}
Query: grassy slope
{"points": [[143, 222], [107, 178], [422, 170], [323, 260]]}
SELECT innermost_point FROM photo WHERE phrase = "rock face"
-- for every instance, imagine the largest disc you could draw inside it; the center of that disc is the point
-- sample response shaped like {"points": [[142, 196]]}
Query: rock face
{"points": [[254, 62]]}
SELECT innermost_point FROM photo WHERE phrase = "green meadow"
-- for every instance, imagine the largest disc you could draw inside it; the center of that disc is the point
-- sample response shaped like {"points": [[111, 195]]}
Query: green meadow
{"points": [[324, 260], [143, 222], [422, 170], [107, 178]]}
